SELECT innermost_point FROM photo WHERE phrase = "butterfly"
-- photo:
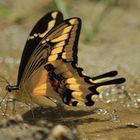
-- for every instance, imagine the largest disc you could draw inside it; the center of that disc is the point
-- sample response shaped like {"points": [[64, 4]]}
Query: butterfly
{"points": [[48, 72]]}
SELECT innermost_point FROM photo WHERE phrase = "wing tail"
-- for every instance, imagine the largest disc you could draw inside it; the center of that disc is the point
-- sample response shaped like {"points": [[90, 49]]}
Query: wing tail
{"points": [[108, 74]]}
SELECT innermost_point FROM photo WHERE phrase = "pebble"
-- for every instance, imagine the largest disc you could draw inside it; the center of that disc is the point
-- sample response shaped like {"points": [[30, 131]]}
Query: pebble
{"points": [[131, 125], [61, 132]]}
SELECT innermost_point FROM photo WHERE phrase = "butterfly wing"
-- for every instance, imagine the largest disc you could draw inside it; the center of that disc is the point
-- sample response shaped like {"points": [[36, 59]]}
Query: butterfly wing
{"points": [[34, 83], [63, 80], [43, 26], [74, 87], [64, 40]]}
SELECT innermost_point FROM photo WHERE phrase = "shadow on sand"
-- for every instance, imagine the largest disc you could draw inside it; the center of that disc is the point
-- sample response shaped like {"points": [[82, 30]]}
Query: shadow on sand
{"points": [[61, 116]]}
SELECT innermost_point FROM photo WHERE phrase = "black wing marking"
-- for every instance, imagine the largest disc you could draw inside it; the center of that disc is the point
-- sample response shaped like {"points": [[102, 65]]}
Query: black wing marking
{"points": [[42, 27]]}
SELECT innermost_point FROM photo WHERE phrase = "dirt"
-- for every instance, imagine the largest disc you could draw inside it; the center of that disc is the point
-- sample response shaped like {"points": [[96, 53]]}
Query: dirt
{"points": [[109, 40]]}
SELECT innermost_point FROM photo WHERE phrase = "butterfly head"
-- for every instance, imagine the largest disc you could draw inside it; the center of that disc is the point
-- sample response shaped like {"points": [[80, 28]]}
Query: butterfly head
{"points": [[10, 88], [6, 94]]}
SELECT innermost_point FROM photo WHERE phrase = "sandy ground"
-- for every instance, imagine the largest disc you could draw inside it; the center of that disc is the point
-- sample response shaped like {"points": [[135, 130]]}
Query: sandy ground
{"points": [[110, 40]]}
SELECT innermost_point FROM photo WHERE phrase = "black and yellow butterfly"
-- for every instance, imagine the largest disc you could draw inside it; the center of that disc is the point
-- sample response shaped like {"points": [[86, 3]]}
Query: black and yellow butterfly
{"points": [[48, 72]]}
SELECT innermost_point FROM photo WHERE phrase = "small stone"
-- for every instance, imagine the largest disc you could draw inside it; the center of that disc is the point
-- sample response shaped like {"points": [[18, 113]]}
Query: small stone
{"points": [[19, 118], [14, 120], [138, 100], [11, 122], [132, 125], [40, 135], [61, 132]]}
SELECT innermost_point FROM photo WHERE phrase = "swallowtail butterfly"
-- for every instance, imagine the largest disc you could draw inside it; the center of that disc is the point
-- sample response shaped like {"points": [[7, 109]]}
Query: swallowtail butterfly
{"points": [[48, 72]]}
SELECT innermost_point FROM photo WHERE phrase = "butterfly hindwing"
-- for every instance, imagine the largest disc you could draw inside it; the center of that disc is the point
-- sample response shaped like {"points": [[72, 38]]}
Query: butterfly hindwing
{"points": [[42, 27], [75, 87]]}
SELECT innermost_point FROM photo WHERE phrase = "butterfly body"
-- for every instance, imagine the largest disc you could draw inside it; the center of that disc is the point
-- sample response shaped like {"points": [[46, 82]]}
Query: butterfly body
{"points": [[48, 73]]}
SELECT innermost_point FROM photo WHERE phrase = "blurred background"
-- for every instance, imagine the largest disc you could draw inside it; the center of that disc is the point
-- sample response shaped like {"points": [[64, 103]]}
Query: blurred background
{"points": [[109, 40]]}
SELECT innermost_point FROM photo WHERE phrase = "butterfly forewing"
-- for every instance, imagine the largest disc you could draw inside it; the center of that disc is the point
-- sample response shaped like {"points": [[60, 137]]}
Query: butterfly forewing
{"points": [[43, 26], [64, 40], [53, 45]]}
